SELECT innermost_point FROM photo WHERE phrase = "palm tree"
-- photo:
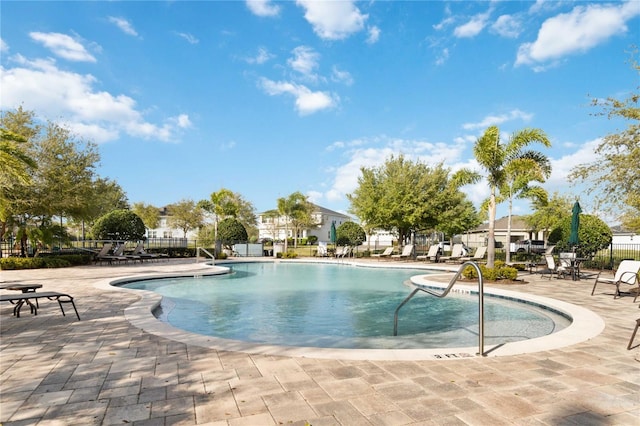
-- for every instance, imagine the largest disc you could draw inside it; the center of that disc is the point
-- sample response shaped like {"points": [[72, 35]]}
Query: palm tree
{"points": [[503, 165], [531, 166], [289, 208]]}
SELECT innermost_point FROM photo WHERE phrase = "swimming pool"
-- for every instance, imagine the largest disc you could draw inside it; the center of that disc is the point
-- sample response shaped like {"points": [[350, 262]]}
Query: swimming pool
{"points": [[338, 306]]}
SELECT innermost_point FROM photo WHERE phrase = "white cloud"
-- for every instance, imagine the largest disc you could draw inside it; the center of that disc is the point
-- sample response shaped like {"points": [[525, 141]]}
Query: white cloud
{"points": [[375, 151], [507, 26], [492, 120], [263, 7], [333, 20], [304, 61], [443, 57], [261, 57], [306, 101], [63, 46], [444, 23], [374, 35], [189, 37], [561, 167], [340, 76], [41, 86], [577, 31], [472, 28], [124, 25]]}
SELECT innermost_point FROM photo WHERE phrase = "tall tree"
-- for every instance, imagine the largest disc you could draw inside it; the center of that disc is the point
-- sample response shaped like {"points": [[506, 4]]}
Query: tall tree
{"points": [[402, 196], [614, 175], [149, 214], [291, 207], [61, 183], [532, 166], [16, 168], [497, 159], [226, 203], [547, 213], [185, 215]]}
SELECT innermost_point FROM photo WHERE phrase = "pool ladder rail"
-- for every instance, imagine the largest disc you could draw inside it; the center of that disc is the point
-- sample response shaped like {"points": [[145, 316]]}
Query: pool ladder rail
{"points": [[444, 293]]}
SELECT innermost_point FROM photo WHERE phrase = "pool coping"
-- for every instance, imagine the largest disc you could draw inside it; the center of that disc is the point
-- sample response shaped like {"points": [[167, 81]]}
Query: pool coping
{"points": [[585, 324]]}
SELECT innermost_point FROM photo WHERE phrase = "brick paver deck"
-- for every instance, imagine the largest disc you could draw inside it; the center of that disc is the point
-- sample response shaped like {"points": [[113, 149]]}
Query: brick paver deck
{"points": [[103, 370]]}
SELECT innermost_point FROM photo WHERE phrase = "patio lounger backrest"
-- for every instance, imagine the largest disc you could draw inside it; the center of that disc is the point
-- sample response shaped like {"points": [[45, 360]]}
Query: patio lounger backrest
{"points": [[433, 250], [627, 271]]}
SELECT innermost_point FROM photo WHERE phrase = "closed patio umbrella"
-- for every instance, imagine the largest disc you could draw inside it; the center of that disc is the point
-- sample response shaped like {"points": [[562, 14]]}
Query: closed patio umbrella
{"points": [[332, 232], [575, 224]]}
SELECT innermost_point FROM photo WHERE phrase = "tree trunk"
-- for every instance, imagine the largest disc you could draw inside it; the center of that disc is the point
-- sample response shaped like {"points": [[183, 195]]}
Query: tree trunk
{"points": [[508, 253], [491, 249]]}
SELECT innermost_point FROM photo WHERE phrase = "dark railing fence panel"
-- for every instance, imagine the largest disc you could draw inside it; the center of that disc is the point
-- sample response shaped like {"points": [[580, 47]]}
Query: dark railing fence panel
{"points": [[608, 258]]}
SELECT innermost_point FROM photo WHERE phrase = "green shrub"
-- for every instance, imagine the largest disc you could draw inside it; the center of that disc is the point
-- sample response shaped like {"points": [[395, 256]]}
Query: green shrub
{"points": [[289, 254], [509, 273], [15, 263], [491, 274]]}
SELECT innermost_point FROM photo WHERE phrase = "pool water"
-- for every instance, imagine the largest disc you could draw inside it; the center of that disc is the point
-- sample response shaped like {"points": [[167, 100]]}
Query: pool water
{"points": [[338, 306]]}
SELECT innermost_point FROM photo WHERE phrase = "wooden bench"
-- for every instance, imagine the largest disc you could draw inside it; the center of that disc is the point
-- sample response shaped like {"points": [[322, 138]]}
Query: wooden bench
{"points": [[21, 299]]}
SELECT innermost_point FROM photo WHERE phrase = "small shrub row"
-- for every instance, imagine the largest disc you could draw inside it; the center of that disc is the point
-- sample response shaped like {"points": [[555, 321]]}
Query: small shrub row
{"points": [[14, 263], [499, 272], [288, 255]]}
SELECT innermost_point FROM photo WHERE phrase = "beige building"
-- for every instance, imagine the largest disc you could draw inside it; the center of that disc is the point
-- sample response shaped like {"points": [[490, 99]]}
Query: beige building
{"points": [[519, 231]]}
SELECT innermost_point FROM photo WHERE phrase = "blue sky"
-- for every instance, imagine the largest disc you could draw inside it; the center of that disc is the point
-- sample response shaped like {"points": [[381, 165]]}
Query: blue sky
{"points": [[266, 98]]}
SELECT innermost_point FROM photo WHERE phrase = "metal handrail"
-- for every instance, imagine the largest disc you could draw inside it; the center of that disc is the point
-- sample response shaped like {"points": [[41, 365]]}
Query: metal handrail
{"points": [[213, 258], [444, 293]]}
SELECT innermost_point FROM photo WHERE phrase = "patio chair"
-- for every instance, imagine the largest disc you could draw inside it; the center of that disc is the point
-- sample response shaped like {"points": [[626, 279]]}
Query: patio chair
{"points": [[100, 257], [432, 254], [322, 249], [627, 273], [552, 268], [407, 251], [478, 255], [140, 251], [386, 253], [456, 253], [568, 261]]}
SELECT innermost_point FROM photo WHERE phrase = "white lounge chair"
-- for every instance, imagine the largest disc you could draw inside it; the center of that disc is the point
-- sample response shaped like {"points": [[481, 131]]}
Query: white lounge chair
{"points": [[432, 254], [456, 253], [627, 273], [552, 268], [407, 251], [386, 253], [478, 255], [322, 249]]}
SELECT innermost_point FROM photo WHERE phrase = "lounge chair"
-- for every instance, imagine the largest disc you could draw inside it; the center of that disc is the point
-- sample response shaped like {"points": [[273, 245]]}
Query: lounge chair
{"points": [[386, 253], [456, 253], [21, 299], [103, 255], [552, 268], [407, 251], [139, 251], [432, 254], [478, 255], [322, 249], [627, 273]]}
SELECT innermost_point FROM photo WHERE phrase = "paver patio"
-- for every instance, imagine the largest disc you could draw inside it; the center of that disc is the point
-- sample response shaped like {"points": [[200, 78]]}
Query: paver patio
{"points": [[103, 370]]}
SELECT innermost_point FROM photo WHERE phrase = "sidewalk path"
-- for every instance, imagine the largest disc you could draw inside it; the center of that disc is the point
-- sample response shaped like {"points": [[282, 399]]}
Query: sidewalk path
{"points": [[103, 370]]}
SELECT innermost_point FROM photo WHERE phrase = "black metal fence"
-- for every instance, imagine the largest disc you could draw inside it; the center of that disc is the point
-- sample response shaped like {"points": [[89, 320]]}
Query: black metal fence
{"points": [[608, 258]]}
